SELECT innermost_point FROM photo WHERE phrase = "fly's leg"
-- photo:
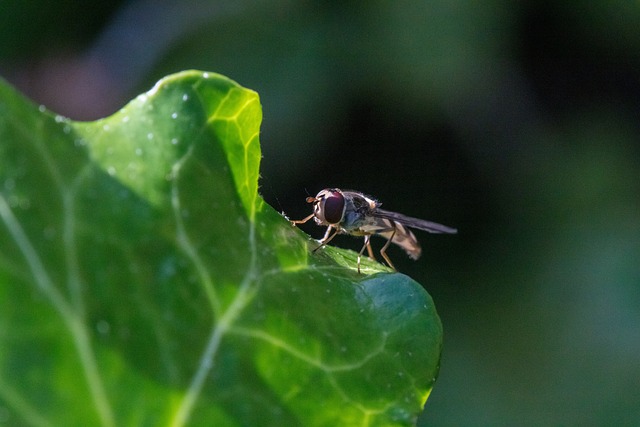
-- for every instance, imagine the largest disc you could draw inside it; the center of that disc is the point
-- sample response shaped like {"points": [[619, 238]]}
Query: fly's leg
{"points": [[326, 239], [369, 250], [301, 221], [383, 251], [367, 245]]}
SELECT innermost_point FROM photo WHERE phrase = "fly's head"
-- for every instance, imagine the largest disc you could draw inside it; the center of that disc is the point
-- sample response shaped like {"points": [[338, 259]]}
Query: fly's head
{"points": [[328, 206]]}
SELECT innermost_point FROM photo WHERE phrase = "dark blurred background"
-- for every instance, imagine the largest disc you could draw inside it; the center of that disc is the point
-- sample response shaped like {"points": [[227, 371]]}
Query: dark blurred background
{"points": [[517, 122]]}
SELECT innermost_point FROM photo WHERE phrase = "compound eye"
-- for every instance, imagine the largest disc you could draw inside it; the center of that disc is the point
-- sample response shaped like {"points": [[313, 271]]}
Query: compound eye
{"points": [[333, 207]]}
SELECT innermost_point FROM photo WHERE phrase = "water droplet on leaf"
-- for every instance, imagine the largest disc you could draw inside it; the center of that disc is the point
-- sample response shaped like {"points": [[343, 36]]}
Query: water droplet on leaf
{"points": [[103, 327]]}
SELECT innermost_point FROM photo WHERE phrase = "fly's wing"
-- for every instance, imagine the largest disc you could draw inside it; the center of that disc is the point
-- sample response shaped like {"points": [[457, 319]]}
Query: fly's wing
{"points": [[420, 224]]}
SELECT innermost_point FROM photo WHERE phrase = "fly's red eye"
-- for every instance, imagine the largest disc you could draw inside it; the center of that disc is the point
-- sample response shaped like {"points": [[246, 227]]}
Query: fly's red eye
{"points": [[333, 207]]}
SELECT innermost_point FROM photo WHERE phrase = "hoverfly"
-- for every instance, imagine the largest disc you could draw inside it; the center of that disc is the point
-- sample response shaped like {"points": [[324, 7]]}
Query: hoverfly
{"points": [[351, 212]]}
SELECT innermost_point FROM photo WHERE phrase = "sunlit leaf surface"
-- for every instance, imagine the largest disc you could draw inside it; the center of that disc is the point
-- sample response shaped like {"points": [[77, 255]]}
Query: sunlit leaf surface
{"points": [[143, 281]]}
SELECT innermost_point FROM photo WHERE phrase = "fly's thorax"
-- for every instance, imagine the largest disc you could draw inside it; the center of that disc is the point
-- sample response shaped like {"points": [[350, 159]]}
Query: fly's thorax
{"points": [[357, 211], [352, 220]]}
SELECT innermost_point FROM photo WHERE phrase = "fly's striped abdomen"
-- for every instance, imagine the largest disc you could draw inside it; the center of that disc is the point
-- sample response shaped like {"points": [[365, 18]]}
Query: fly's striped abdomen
{"points": [[403, 237]]}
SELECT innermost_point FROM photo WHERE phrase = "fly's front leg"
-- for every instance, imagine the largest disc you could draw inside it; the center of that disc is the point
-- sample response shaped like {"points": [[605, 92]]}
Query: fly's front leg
{"points": [[367, 245], [326, 238], [383, 251], [301, 221]]}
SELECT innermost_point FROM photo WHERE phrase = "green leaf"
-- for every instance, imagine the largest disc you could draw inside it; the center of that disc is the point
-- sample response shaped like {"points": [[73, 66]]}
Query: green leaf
{"points": [[143, 281]]}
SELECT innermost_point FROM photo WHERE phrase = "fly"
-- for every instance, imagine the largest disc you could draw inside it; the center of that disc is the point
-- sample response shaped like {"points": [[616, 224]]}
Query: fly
{"points": [[351, 212]]}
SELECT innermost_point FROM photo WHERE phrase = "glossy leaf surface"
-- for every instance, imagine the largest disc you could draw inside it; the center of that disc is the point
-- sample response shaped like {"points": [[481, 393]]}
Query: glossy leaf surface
{"points": [[143, 281]]}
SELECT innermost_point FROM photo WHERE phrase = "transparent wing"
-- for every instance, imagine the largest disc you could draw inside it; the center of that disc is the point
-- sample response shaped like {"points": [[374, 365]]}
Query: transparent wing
{"points": [[420, 224]]}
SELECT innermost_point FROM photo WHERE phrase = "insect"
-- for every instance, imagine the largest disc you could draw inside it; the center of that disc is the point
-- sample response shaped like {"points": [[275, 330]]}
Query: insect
{"points": [[351, 212]]}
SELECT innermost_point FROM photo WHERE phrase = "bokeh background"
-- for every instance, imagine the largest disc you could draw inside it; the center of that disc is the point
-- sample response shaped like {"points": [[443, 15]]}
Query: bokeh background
{"points": [[517, 122]]}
